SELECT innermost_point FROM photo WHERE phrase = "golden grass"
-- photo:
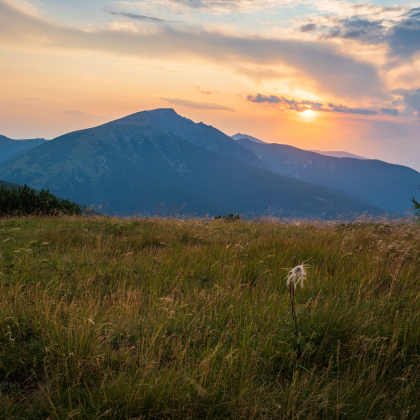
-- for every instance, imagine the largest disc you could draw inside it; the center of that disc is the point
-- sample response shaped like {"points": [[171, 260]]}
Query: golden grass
{"points": [[105, 318]]}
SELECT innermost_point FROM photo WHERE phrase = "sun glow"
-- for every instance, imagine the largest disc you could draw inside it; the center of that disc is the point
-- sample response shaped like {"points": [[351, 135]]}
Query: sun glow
{"points": [[308, 115]]}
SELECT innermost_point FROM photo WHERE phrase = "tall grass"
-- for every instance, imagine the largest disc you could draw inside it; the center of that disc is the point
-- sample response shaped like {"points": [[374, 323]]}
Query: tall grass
{"points": [[169, 319]]}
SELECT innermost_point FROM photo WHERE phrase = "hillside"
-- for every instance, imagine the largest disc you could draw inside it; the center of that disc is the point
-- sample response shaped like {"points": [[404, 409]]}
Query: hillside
{"points": [[9, 185], [204, 135], [170, 319], [338, 154], [9, 147], [383, 184], [240, 136], [134, 165]]}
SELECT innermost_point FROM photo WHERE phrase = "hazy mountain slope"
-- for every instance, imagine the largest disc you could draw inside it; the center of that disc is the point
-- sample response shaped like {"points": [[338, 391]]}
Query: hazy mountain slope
{"points": [[133, 165], [9, 185], [383, 184], [9, 147], [86, 167], [339, 154], [240, 136], [203, 135]]}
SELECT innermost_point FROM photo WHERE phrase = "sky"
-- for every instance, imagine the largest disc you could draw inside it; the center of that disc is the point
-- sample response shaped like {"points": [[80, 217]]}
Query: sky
{"points": [[316, 74]]}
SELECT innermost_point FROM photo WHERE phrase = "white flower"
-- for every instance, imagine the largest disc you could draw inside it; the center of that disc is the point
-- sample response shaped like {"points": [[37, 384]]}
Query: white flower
{"points": [[297, 275]]}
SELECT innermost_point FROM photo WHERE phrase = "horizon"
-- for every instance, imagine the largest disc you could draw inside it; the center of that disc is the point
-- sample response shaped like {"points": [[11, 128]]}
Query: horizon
{"points": [[328, 75]]}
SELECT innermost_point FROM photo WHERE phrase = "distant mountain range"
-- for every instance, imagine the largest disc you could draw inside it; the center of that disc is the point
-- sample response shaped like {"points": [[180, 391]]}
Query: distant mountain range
{"points": [[339, 154], [385, 185], [240, 136], [9, 147], [246, 136], [333, 154], [159, 161]]}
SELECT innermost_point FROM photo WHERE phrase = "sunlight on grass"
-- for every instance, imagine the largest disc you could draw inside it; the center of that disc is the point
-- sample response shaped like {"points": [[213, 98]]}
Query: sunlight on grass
{"points": [[106, 318]]}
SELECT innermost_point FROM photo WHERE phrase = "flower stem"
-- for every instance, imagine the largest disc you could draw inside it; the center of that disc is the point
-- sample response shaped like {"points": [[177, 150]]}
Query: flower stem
{"points": [[292, 301]]}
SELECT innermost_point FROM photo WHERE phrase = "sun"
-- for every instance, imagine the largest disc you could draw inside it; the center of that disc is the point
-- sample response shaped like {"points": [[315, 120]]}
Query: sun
{"points": [[308, 115]]}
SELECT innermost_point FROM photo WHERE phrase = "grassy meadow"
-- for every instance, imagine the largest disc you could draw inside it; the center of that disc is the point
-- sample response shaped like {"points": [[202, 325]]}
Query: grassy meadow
{"points": [[105, 318]]}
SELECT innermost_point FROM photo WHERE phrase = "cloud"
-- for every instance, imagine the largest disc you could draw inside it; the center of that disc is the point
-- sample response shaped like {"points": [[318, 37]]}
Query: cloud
{"points": [[405, 41], [356, 28], [412, 100], [330, 70], [389, 111], [300, 106], [76, 114], [397, 27], [134, 16], [34, 100], [206, 92], [386, 130], [197, 105], [404, 38], [259, 99], [309, 27], [346, 110], [217, 6], [208, 4]]}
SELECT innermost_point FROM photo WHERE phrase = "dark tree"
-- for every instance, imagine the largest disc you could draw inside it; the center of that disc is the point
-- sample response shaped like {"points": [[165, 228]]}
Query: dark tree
{"points": [[26, 201], [416, 208]]}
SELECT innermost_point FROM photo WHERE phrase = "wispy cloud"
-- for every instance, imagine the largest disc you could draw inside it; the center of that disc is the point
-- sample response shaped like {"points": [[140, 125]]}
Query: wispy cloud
{"points": [[76, 114], [404, 38], [389, 111], [309, 27], [217, 6], [197, 105], [206, 92], [323, 65], [301, 106], [34, 100], [412, 100], [134, 16], [386, 130], [397, 27]]}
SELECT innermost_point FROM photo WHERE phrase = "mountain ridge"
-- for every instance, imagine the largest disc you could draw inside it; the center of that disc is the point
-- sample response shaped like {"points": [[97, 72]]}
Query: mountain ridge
{"points": [[136, 165], [386, 185], [10, 147], [340, 154], [203, 135], [240, 136]]}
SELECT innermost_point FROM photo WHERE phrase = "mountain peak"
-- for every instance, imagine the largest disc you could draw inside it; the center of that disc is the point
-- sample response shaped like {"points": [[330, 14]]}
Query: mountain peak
{"points": [[339, 154], [240, 136], [146, 116], [169, 111]]}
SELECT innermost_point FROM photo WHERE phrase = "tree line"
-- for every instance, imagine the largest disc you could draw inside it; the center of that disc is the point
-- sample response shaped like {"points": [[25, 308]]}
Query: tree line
{"points": [[416, 208], [27, 201]]}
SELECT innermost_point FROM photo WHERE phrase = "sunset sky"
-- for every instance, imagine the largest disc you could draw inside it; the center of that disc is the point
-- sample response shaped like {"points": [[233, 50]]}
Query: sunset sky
{"points": [[316, 74]]}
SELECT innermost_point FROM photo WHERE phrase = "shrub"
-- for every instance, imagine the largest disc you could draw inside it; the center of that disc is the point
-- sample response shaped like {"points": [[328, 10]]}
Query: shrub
{"points": [[26, 201], [416, 208], [229, 218]]}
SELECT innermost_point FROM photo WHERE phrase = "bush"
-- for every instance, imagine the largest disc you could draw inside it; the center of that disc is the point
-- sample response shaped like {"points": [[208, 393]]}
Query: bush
{"points": [[416, 208], [26, 201], [229, 218]]}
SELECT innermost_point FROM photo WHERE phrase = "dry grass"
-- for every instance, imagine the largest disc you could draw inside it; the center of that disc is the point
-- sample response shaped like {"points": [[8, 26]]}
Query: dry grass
{"points": [[169, 319]]}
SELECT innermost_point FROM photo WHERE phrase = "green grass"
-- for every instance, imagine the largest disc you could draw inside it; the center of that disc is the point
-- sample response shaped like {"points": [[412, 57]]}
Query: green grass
{"points": [[167, 319]]}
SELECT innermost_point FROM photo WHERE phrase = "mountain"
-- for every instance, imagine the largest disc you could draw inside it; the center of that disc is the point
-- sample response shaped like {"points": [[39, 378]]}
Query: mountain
{"points": [[9, 185], [339, 154], [239, 136], [135, 165], [203, 135], [385, 185], [9, 147]]}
